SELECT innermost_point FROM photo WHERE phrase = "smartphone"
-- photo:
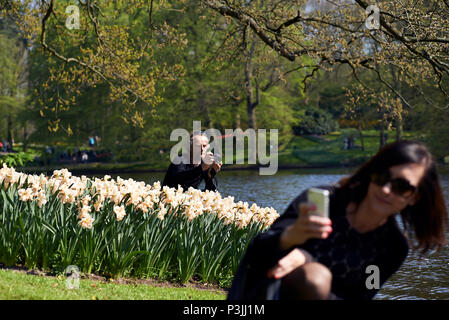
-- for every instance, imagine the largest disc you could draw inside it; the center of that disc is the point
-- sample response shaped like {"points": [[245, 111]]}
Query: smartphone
{"points": [[217, 158], [320, 198]]}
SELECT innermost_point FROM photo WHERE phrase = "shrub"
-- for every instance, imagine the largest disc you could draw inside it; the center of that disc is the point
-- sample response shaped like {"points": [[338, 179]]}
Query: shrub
{"points": [[316, 121]]}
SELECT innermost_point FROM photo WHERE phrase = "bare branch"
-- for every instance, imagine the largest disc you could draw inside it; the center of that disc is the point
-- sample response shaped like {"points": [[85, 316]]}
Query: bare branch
{"points": [[246, 19]]}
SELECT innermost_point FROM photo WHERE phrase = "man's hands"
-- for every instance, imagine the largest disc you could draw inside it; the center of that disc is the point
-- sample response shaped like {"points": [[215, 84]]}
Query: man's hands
{"points": [[208, 162], [216, 166], [305, 227]]}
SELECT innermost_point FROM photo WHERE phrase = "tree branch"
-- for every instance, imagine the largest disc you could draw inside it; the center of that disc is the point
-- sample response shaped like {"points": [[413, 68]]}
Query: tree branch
{"points": [[246, 19], [389, 86]]}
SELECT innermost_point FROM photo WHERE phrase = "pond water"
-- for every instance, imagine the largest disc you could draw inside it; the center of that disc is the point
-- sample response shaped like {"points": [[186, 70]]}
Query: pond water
{"points": [[418, 278]]}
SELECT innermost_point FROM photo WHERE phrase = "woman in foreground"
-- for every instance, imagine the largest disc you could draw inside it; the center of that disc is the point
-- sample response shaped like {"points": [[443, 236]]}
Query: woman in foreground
{"points": [[303, 256]]}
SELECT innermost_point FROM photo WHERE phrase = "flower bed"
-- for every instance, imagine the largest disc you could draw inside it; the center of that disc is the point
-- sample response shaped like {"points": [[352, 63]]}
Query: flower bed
{"points": [[123, 227]]}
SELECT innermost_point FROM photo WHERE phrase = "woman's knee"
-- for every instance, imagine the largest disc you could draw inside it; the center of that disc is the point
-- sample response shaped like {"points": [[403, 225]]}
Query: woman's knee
{"points": [[310, 281], [318, 275]]}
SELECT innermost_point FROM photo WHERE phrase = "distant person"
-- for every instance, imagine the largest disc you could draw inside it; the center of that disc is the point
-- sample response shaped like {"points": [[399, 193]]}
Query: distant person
{"points": [[92, 155], [1, 146], [303, 256], [84, 157], [351, 142], [189, 174]]}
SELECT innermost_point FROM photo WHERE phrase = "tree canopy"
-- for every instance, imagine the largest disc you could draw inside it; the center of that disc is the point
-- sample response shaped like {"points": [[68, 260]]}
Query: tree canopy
{"points": [[412, 36], [157, 64]]}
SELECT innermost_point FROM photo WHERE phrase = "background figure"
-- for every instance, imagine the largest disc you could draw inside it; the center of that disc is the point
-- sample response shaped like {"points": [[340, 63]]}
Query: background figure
{"points": [[190, 174], [84, 157]]}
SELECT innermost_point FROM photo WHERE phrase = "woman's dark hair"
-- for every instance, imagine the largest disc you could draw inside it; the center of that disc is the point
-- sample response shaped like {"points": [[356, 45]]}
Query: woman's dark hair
{"points": [[428, 216]]}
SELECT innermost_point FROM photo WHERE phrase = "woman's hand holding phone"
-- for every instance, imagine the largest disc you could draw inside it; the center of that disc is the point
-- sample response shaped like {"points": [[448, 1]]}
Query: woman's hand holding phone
{"points": [[305, 227]]}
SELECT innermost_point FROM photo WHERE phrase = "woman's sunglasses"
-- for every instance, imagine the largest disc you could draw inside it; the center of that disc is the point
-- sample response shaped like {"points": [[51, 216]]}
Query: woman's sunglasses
{"points": [[399, 186]]}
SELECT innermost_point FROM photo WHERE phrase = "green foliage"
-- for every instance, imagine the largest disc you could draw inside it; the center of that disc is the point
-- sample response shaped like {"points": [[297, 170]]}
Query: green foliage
{"points": [[19, 159], [276, 113], [13, 68], [316, 121], [438, 134], [333, 99], [39, 93], [49, 237]]}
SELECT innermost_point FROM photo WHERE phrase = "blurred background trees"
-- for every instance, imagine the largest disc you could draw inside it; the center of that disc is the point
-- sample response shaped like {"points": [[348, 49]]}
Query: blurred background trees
{"points": [[136, 70]]}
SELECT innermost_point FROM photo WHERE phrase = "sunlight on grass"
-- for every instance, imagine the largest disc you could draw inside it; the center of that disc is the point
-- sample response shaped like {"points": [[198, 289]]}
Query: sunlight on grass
{"points": [[19, 286], [329, 149]]}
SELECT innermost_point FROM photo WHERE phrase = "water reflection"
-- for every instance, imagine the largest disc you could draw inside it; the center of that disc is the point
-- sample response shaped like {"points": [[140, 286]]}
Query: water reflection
{"points": [[417, 278]]}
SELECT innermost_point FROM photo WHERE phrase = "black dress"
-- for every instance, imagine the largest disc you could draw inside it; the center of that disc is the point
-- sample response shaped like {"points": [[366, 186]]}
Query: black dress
{"points": [[346, 252]]}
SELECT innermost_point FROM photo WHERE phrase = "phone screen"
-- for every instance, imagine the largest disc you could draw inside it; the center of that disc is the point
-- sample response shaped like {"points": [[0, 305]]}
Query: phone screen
{"points": [[320, 198]]}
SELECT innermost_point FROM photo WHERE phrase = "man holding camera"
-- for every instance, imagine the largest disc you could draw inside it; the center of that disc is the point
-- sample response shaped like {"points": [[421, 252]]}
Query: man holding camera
{"points": [[191, 173]]}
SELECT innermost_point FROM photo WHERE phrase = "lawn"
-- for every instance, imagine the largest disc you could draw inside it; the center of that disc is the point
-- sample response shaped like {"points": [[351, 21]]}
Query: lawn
{"points": [[17, 285], [328, 149]]}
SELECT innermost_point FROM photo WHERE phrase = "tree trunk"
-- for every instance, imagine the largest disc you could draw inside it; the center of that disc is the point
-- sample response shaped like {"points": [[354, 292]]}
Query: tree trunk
{"points": [[102, 132], [132, 133], [382, 131], [77, 136], [209, 123], [252, 99], [237, 121], [397, 87], [235, 111], [10, 137], [252, 116], [25, 137], [202, 103], [399, 129], [361, 136]]}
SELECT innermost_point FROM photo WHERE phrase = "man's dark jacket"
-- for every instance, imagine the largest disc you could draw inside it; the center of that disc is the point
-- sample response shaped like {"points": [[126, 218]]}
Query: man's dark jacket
{"points": [[189, 175]]}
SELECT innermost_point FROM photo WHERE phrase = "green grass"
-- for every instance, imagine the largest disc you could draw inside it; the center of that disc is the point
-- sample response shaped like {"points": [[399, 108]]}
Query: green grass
{"points": [[15, 285], [328, 149]]}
